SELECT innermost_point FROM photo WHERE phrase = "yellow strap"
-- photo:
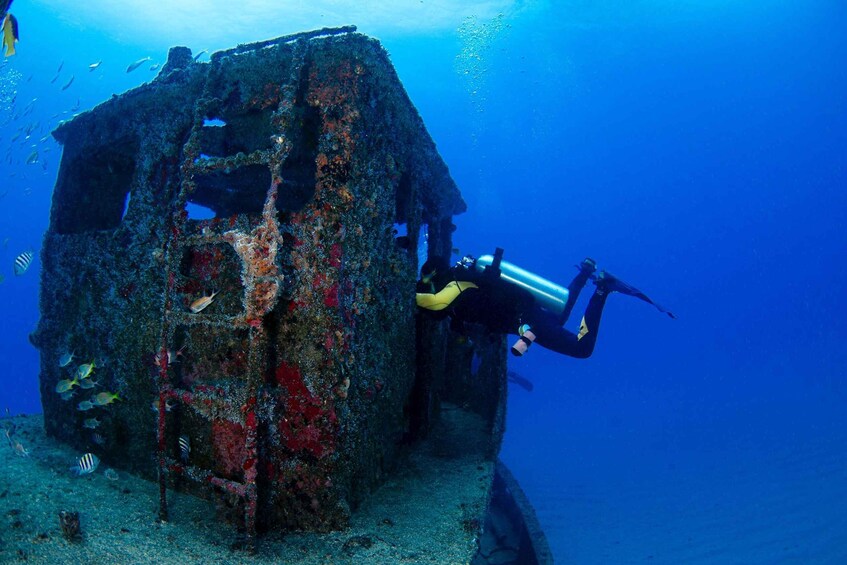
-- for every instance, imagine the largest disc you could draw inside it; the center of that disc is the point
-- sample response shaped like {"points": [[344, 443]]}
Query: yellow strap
{"points": [[443, 298]]}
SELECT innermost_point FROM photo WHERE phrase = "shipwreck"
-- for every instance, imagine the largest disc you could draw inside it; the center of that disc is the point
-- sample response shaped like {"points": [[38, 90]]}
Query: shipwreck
{"points": [[223, 248]]}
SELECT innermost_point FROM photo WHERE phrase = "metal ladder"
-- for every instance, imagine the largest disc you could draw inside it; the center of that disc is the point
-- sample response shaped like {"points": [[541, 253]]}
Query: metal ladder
{"points": [[251, 320]]}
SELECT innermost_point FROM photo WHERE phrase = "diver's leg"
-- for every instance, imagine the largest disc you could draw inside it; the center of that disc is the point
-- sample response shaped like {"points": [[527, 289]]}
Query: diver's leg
{"points": [[586, 269], [580, 345]]}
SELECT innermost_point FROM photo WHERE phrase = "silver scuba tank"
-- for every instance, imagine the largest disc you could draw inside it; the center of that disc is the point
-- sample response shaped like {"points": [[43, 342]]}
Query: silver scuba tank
{"points": [[550, 296]]}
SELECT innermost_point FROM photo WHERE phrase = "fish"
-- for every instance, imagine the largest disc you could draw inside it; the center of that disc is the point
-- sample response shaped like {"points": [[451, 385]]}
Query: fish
{"points": [[61, 66], [10, 34], [94, 66], [90, 423], [519, 380], [9, 431], [65, 385], [69, 83], [169, 405], [137, 64], [104, 398], [84, 371], [88, 383], [20, 450], [22, 262], [98, 438], [85, 464], [65, 359], [67, 395], [85, 406], [173, 357], [154, 66], [33, 157], [111, 474], [184, 448], [201, 303], [198, 55]]}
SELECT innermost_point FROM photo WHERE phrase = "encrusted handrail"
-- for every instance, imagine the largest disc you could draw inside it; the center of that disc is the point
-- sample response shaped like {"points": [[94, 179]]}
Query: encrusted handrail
{"points": [[245, 47]]}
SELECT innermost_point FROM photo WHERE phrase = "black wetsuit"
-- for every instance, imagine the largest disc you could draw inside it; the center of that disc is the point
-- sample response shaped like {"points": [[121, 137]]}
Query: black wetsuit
{"points": [[503, 308]]}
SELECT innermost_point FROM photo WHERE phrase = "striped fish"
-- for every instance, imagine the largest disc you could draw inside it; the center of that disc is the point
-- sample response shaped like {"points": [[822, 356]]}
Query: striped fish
{"points": [[22, 262], [86, 464], [184, 448]]}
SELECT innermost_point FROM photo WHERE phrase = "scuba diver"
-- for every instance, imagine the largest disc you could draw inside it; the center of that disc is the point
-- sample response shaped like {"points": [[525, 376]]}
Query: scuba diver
{"points": [[507, 299]]}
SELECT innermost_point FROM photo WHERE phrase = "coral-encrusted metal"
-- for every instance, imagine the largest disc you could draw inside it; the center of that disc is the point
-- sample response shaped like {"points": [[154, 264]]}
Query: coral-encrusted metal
{"points": [[267, 357]]}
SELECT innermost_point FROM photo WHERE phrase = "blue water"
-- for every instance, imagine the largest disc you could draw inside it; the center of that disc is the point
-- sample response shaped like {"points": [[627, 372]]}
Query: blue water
{"points": [[695, 149]]}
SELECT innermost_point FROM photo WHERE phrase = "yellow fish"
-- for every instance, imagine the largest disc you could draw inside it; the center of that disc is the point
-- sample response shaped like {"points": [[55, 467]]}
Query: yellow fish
{"points": [[65, 385], [10, 34], [104, 398], [66, 359], [84, 371], [201, 303]]}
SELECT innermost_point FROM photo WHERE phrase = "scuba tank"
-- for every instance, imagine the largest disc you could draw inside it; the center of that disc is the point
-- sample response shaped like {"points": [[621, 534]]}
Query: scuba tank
{"points": [[548, 295]]}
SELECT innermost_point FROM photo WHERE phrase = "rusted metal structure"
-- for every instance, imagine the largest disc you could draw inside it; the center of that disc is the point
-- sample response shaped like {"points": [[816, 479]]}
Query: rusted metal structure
{"points": [[269, 356]]}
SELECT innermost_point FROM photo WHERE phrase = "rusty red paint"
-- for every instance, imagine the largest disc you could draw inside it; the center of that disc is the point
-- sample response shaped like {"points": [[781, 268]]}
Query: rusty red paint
{"points": [[307, 425], [228, 442], [331, 296]]}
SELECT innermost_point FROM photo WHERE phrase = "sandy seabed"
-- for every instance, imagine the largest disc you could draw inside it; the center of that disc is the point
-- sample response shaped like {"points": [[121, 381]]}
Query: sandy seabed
{"points": [[417, 516]]}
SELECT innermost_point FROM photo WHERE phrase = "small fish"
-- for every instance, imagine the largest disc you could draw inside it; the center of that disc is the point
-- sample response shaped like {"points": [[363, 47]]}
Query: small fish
{"points": [[86, 464], [184, 448], [201, 303], [84, 371], [169, 405], [33, 157], [137, 64], [20, 450], [9, 433], [154, 66], [198, 55], [519, 380], [104, 398], [23, 261], [85, 406], [65, 359], [98, 438], [91, 423], [111, 474], [61, 66], [67, 395], [94, 66], [10, 33], [173, 356], [65, 385], [69, 83], [88, 383]]}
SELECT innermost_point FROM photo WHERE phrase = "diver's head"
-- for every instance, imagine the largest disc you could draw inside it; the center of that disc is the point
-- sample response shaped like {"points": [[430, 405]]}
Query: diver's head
{"points": [[433, 267]]}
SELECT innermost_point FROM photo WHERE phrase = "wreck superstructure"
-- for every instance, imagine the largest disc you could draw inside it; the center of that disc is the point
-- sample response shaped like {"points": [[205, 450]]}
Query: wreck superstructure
{"points": [[268, 357]]}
